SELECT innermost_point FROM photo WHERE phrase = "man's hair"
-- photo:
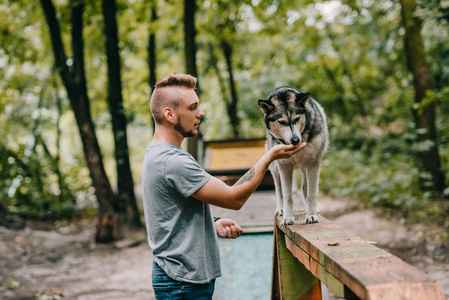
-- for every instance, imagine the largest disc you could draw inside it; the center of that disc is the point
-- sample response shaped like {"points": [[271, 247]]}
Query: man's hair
{"points": [[166, 93]]}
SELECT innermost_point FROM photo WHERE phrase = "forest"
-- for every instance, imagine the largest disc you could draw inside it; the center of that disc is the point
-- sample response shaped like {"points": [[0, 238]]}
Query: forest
{"points": [[78, 75]]}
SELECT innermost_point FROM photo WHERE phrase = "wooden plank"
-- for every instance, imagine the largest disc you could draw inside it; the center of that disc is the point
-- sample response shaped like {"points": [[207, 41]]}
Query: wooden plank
{"points": [[258, 142], [348, 265], [329, 255], [297, 252], [314, 293], [230, 159], [374, 274], [406, 291], [233, 155], [295, 280], [332, 283], [275, 279]]}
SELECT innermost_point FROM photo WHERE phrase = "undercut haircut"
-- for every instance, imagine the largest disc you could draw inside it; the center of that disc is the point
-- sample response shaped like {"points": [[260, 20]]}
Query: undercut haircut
{"points": [[166, 93]]}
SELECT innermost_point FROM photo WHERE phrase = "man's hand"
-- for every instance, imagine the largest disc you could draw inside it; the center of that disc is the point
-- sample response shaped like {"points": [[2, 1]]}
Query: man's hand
{"points": [[228, 229], [285, 151]]}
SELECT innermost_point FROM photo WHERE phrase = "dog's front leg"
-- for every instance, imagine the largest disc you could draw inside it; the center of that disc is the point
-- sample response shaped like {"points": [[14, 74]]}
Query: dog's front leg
{"points": [[286, 176], [274, 169], [312, 177]]}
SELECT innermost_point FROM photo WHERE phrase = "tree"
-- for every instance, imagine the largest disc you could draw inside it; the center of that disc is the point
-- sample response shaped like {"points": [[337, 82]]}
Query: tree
{"points": [[152, 47], [125, 184], [423, 110], [74, 81], [152, 51], [190, 58]]}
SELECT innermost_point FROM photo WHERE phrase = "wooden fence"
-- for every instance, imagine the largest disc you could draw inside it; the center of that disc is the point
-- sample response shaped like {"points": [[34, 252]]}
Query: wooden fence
{"points": [[350, 267]]}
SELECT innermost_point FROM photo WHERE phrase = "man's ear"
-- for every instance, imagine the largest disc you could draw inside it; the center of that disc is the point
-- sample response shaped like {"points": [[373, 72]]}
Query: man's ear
{"points": [[168, 115]]}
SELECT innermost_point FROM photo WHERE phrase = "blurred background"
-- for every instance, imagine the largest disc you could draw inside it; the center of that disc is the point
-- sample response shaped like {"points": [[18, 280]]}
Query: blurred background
{"points": [[77, 76]]}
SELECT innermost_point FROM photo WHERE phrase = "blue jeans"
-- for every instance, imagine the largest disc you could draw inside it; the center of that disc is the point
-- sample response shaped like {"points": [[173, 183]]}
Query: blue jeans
{"points": [[166, 288]]}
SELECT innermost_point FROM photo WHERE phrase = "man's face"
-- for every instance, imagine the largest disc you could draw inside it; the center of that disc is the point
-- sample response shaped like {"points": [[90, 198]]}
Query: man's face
{"points": [[188, 114]]}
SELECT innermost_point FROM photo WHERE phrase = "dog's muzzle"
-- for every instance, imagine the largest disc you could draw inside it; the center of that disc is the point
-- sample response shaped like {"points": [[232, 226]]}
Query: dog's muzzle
{"points": [[295, 140]]}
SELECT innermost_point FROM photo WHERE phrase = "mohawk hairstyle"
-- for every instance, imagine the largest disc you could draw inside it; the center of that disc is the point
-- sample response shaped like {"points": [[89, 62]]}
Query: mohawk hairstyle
{"points": [[166, 93], [177, 79]]}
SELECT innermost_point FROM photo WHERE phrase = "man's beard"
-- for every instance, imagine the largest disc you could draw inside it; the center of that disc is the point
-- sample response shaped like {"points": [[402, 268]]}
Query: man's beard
{"points": [[179, 128]]}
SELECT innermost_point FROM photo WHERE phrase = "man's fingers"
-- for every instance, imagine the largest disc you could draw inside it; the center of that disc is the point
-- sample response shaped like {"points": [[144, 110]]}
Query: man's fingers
{"points": [[288, 150], [228, 229], [234, 232], [300, 146], [231, 232]]}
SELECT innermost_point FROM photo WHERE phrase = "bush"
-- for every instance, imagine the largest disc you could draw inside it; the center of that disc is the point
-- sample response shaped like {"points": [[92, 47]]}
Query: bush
{"points": [[376, 166]]}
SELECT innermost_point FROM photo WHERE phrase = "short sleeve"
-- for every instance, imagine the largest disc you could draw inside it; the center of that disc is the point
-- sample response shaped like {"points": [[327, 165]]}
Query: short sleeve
{"points": [[184, 174]]}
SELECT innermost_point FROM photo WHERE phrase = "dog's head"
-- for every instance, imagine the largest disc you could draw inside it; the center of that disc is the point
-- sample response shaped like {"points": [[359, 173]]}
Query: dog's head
{"points": [[285, 114]]}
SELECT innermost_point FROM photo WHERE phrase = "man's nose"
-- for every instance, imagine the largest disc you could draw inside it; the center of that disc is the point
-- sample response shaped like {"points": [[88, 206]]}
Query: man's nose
{"points": [[201, 113]]}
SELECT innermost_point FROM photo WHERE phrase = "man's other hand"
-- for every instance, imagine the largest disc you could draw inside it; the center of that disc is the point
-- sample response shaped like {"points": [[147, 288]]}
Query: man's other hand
{"points": [[228, 229]]}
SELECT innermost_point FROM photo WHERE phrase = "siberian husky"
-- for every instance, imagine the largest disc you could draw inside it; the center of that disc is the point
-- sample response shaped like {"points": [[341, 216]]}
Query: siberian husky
{"points": [[292, 117]]}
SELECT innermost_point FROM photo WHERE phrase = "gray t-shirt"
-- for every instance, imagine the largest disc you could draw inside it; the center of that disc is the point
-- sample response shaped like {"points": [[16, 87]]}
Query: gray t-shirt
{"points": [[180, 228]]}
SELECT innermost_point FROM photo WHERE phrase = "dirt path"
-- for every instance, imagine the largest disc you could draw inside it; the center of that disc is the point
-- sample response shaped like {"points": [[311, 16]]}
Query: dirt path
{"points": [[39, 263], [47, 263]]}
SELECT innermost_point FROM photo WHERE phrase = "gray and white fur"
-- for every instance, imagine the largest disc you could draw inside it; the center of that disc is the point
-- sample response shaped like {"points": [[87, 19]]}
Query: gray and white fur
{"points": [[292, 117]]}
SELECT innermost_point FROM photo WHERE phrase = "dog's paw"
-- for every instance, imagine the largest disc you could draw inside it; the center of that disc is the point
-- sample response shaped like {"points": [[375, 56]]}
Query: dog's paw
{"points": [[312, 218], [287, 221], [279, 212]]}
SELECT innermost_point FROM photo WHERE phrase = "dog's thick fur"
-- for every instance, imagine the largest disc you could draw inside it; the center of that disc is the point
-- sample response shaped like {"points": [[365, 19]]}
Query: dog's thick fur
{"points": [[292, 117]]}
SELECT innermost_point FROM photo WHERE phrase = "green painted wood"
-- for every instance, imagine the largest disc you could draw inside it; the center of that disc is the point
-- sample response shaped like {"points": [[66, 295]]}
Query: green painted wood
{"points": [[295, 279], [332, 283]]}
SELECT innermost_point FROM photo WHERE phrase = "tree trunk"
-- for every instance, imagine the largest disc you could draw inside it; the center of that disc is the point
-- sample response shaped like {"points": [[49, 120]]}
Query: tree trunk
{"points": [[190, 58], [152, 53], [125, 184], [213, 62], [75, 85], [231, 106], [423, 113]]}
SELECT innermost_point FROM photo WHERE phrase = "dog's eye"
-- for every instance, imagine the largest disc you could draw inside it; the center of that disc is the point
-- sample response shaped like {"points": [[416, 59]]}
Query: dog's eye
{"points": [[296, 120], [282, 122]]}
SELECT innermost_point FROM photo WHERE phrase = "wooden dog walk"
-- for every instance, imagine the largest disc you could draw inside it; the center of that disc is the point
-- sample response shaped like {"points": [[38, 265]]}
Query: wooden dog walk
{"points": [[350, 267]]}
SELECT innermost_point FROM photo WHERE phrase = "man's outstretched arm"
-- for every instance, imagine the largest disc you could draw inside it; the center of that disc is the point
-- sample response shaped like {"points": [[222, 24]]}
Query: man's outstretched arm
{"points": [[218, 193]]}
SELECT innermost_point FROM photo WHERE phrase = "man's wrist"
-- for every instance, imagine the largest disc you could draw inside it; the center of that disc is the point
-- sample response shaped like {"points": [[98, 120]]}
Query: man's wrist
{"points": [[216, 219]]}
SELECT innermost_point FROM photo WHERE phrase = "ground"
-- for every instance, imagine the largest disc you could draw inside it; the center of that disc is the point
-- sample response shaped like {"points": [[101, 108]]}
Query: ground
{"points": [[53, 261]]}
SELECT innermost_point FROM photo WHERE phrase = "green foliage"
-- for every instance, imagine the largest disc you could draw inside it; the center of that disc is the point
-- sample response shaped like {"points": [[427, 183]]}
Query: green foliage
{"points": [[377, 166], [30, 188], [348, 54]]}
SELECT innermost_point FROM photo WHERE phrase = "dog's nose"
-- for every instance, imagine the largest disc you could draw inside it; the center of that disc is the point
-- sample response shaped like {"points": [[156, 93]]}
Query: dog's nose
{"points": [[295, 140]]}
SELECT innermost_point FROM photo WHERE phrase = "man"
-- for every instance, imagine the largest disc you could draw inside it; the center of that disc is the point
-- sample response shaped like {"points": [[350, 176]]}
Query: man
{"points": [[177, 193]]}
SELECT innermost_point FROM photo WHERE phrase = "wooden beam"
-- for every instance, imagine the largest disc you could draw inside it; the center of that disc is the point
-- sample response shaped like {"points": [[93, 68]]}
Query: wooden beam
{"points": [[293, 280], [349, 266]]}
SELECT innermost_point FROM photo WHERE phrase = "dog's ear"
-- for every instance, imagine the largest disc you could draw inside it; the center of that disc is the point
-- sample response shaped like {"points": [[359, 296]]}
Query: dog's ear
{"points": [[266, 106], [301, 99]]}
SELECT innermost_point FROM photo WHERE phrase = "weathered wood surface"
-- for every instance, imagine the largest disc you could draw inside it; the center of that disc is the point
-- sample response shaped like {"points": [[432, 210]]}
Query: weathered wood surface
{"points": [[348, 265], [228, 160], [232, 155]]}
